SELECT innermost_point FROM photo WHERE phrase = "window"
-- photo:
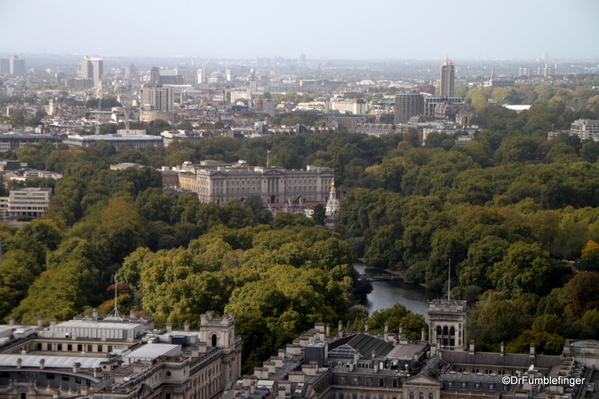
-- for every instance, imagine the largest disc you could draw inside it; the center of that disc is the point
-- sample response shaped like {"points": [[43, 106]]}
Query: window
{"points": [[491, 387], [477, 386], [39, 346], [394, 384], [90, 348], [50, 376], [58, 347], [69, 347], [420, 395], [341, 381], [65, 378], [463, 385], [368, 382], [431, 396], [80, 348], [355, 381], [78, 380], [411, 395], [449, 384], [381, 382]]}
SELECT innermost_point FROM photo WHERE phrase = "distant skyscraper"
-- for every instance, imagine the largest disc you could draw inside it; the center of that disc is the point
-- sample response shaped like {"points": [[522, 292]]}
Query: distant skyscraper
{"points": [[229, 74], [201, 77], [156, 100], [407, 106], [447, 78], [302, 59], [525, 71], [4, 66], [92, 68]]}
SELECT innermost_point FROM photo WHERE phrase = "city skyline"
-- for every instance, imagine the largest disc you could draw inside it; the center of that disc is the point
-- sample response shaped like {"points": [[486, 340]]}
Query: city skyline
{"points": [[400, 30]]}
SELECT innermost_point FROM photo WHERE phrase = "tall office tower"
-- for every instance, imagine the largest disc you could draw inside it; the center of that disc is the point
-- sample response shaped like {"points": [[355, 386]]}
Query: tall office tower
{"points": [[17, 66], [92, 68], [201, 77], [154, 78], [408, 105], [525, 71], [447, 78], [4, 66], [157, 98], [229, 75], [302, 58]]}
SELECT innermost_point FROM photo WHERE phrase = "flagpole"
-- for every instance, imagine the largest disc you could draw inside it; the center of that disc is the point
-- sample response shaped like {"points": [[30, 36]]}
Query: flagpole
{"points": [[267, 158]]}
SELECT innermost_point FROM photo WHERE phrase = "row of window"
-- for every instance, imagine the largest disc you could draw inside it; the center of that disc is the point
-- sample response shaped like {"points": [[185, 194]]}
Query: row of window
{"points": [[51, 346], [477, 386]]}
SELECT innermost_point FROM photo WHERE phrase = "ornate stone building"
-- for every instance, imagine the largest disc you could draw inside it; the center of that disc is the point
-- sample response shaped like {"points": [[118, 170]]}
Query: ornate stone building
{"points": [[110, 358]]}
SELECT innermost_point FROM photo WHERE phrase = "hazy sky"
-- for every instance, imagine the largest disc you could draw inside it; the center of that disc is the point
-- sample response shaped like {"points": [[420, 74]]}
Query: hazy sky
{"points": [[349, 29]]}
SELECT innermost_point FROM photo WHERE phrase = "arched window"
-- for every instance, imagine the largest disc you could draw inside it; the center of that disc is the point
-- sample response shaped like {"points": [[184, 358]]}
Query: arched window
{"points": [[420, 395], [452, 331], [445, 330], [411, 395], [438, 330], [431, 396], [214, 339]]}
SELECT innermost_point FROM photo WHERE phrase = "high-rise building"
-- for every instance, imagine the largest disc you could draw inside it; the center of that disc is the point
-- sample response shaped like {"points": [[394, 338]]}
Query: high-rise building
{"points": [[525, 71], [201, 77], [157, 101], [92, 68], [447, 78], [408, 105], [4, 66], [17, 66]]}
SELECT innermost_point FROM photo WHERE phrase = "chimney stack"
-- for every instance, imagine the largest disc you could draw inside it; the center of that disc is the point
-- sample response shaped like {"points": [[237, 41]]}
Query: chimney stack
{"points": [[186, 325], [169, 327]]}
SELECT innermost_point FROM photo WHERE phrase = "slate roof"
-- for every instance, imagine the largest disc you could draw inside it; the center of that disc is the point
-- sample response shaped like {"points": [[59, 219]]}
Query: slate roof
{"points": [[496, 359], [364, 344]]}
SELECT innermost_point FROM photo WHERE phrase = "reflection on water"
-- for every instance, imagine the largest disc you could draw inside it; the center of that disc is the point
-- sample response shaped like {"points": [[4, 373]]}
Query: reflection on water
{"points": [[385, 294]]}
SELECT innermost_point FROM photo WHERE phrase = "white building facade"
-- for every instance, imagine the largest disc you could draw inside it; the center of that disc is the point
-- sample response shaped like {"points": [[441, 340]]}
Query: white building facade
{"points": [[224, 183]]}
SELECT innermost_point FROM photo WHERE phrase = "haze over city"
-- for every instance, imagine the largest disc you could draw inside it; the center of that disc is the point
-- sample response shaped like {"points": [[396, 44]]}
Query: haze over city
{"points": [[351, 29]]}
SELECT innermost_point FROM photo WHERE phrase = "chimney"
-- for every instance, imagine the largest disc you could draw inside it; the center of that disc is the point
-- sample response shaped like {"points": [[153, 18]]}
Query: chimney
{"points": [[471, 349], [502, 348], [40, 321], [169, 327], [281, 353], [11, 321], [532, 349], [281, 393], [340, 328], [95, 314], [53, 322], [132, 315], [400, 331], [76, 367], [19, 363], [328, 330], [186, 325], [366, 326], [423, 335], [252, 387], [373, 354], [42, 364], [386, 337]]}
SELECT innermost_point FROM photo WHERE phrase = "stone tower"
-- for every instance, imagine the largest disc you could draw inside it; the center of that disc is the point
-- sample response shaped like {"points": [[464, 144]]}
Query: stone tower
{"points": [[218, 331], [447, 323]]}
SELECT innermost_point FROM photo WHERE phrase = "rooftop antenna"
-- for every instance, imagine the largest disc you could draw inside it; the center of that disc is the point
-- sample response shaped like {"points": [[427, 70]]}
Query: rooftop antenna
{"points": [[449, 282], [115, 315]]}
